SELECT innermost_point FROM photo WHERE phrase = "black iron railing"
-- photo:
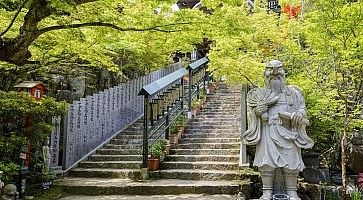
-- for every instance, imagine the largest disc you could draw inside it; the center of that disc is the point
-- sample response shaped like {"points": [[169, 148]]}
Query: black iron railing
{"points": [[164, 102]]}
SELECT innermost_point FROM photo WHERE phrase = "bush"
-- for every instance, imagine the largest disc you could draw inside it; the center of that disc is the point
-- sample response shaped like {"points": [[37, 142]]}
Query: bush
{"points": [[10, 172], [24, 120]]}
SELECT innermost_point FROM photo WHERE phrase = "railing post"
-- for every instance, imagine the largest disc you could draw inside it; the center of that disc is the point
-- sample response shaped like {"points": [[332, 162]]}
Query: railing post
{"points": [[204, 77], [243, 161], [190, 94], [145, 138], [198, 89], [167, 127], [208, 81], [181, 94]]}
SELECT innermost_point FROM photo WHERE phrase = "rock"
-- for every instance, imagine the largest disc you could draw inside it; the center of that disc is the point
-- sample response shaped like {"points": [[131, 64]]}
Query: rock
{"points": [[315, 176], [311, 160], [309, 191]]}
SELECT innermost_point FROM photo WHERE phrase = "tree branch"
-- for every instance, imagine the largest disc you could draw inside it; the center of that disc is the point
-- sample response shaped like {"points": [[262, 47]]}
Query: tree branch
{"points": [[113, 26], [14, 18], [248, 80]]}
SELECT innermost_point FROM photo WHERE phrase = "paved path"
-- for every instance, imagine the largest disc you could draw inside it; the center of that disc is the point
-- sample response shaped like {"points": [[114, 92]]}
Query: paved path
{"points": [[156, 197]]}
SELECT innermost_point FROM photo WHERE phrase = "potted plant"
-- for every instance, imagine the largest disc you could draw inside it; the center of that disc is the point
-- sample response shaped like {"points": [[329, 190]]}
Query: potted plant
{"points": [[173, 137], [155, 152], [180, 123], [46, 178], [203, 99], [166, 150], [195, 107]]}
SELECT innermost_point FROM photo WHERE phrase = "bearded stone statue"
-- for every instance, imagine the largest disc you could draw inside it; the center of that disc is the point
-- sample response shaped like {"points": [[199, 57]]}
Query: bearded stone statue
{"points": [[276, 125]]}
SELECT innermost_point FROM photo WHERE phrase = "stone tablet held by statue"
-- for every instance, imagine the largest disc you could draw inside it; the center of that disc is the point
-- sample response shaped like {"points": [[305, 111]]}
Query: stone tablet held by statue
{"points": [[276, 125]]}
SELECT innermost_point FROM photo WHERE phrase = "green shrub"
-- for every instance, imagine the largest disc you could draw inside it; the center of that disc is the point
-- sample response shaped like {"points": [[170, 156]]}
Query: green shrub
{"points": [[10, 172], [25, 120]]}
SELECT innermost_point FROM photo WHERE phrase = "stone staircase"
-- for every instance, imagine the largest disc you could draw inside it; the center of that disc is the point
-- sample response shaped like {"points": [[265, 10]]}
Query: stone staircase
{"points": [[121, 158], [204, 162], [209, 149]]}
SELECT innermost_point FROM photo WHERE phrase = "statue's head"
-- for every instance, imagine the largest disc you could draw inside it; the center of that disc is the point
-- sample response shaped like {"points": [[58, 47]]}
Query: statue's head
{"points": [[275, 75]]}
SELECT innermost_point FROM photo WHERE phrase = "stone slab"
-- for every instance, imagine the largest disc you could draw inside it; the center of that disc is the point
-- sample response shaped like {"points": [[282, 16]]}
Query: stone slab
{"points": [[155, 197]]}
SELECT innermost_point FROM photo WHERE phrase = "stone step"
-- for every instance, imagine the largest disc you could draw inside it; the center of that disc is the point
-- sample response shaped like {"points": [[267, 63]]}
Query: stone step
{"points": [[105, 186], [213, 116], [199, 130], [198, 174], [220, 114], [126, 141], [235, 112], [105, 173], [126, 146], [199, 158], [208, 140], [118, 151], [206, 134], [221, 97], [212, 126], [201, 118], [133, 132], [236, 109], [111, 164], [99, 157], [206, 165], [209, 146], [213, 123], [232, 110], [128, 137], [204, 152]]}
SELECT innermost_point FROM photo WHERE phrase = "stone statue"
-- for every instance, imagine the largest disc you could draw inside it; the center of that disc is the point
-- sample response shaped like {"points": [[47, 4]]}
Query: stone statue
{"points": [[46, 153], [1, 183], [276, 125], [9, 192]]}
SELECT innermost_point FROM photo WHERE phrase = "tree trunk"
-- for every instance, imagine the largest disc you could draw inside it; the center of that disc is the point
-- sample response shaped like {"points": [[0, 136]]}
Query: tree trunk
{"points": [[344, 150]]}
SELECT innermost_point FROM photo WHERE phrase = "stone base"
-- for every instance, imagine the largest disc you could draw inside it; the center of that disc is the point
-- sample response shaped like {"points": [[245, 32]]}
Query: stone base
{"points": [[144, 173]]}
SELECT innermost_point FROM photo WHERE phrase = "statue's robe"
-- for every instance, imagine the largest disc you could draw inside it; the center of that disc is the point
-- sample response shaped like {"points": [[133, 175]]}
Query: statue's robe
{"points": [[278, 141]]}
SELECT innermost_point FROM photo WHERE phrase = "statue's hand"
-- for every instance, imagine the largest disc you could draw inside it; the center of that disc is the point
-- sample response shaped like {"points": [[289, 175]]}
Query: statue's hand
{"points": [[261, 109], [296, 118]]}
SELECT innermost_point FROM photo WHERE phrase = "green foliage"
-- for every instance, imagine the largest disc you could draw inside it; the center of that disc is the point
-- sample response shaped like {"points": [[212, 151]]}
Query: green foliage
{"points": [[16, 110], [323, 57], [357, 194], [180, 120], [195, 103], [47, 175], [173, 128], [10, 171], [156, 150]]}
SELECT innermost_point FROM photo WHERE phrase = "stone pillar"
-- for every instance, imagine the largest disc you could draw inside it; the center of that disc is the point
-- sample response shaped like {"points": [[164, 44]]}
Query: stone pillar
{"points": [[243, 160]]}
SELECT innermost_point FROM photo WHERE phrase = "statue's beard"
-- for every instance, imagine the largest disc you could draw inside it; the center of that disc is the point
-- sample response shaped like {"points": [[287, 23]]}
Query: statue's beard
{"points": [[276, 85]]}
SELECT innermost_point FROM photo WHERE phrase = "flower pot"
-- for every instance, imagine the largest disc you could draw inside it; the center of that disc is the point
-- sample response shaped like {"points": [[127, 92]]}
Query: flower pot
{"points": [[194, 113], [173, 139], [153, 164], [197, 110], [180, 131], [167, 149], [45, 185]]}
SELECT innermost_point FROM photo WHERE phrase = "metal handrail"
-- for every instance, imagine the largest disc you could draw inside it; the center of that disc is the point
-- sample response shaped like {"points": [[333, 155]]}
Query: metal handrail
{"points": [[164, 101], [197, 74], [162, 98]]}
